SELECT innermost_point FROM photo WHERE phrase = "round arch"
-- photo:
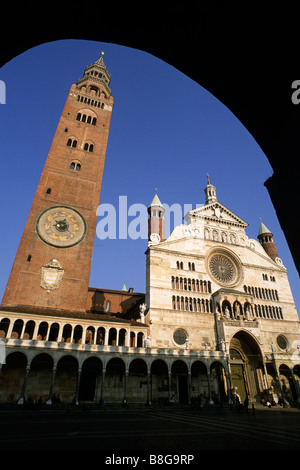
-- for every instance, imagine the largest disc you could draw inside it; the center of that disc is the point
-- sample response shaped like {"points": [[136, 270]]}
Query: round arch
{"points": [[159, 381], [137, 381], [247, 372], [288, 385], [180, 387], [64, 388], [138, 365], [12, 376], [115, 380], [91, 373], [39, 377], [4, 325], [158, 364], [199, 383], [241, 338]]}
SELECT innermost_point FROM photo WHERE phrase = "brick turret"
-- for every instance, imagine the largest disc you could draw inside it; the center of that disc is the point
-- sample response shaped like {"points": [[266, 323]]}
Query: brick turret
{"points": [[156, 221], [265, 238]]}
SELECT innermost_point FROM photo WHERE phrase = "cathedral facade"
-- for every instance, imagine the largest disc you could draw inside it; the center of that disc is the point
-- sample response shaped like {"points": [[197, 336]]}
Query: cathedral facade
{"points": [[217, 320], [223, 302]]}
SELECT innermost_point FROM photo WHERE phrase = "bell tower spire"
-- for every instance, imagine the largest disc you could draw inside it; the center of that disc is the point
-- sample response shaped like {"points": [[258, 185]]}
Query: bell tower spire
{"points": [[52, 264], [96, 78]]}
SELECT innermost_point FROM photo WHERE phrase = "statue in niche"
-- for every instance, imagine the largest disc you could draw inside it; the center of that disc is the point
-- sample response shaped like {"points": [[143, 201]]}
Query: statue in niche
{"points": [[233, 238], [237, 310], [247, 313], [227, 312]]}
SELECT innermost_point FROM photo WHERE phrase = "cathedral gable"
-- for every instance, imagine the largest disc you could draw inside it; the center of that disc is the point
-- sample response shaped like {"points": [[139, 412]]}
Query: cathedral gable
{"points": [[215, 212]]}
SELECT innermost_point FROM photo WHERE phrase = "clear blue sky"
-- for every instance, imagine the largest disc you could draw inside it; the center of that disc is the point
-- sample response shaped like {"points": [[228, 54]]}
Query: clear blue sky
{"points": [[167, 132]]}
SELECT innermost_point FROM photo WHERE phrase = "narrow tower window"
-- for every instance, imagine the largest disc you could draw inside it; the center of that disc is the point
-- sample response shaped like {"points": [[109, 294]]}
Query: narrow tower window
{"points": [[75, 166], [88, 147], [72, 143]]}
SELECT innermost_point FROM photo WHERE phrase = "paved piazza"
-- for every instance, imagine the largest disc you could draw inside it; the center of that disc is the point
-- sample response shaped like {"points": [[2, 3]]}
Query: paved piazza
{"points": [[147, 431]]}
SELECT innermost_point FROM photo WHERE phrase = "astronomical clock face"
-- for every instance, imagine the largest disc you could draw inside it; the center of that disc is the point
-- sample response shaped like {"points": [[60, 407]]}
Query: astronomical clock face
{"points": [[61, 227], [224, 268]]}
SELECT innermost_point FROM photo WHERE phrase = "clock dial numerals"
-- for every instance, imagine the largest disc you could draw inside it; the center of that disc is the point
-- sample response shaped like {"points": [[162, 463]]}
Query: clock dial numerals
{"points": [[61, 227]]}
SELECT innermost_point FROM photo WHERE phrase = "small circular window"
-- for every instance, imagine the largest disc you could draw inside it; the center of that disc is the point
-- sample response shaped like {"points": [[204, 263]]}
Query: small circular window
{"points": [[180, 337], [282, 342]]}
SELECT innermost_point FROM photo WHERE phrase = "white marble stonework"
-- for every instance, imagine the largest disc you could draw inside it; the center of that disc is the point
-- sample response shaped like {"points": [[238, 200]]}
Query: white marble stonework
{"points": [[220, 290]]}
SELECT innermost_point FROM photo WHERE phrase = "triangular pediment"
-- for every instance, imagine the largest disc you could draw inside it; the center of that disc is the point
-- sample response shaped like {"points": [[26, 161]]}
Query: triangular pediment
{"points": [[215, 212]]}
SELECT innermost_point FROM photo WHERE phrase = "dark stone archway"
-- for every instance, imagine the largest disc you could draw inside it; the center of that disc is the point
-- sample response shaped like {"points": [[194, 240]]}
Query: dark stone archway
{"points": [[245, 57]]}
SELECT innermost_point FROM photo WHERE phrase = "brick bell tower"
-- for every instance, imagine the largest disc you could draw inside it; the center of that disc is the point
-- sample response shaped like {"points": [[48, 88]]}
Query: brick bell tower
{"points": [[52, 264], [156, 221]]}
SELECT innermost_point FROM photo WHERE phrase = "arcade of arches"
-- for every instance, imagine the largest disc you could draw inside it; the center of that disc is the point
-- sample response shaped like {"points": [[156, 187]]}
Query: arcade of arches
{"points": [[148, 376]]}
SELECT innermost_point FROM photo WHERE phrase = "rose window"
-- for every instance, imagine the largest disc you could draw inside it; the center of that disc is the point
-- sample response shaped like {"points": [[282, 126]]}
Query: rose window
{"points": [[223, 268], [180, 337]]}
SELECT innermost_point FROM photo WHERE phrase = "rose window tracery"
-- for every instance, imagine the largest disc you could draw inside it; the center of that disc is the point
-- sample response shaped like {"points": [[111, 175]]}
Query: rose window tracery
{"points": [[223, 268]]}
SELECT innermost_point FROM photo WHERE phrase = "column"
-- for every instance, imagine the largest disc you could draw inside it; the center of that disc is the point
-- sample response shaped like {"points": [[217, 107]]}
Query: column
{"points": [[102, 386], [296, 386], [49, 401], [247, 384], [125, 387], [83, 337], [127, 338], [22, 397], [60, 332], [72, 334], [77, 385], [190, 386], [227, 384], [22, 331], [106, 336], [277, 374], [169, 385], [48, 331], [209, 389], [10, 328], [230, 383], [148, 387], [265, 375], [36, 328]]}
